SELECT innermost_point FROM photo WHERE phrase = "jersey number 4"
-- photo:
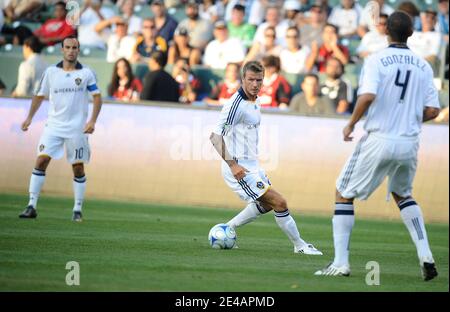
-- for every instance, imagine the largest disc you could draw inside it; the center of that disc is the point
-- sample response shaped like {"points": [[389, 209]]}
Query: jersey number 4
{"points": [[404, 84]]}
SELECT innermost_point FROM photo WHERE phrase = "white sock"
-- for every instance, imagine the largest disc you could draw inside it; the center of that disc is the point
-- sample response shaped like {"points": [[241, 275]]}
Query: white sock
{"points": [[289, 227], [250, 213], [36, 182], [79, 188], [343, 221], [413, 219]]}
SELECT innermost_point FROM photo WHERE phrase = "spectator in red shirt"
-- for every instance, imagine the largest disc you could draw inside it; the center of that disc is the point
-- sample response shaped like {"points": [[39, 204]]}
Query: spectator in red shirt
{"points": [[226, 88], [275, 91], [56, 29], [124, 86], [329, 48]]}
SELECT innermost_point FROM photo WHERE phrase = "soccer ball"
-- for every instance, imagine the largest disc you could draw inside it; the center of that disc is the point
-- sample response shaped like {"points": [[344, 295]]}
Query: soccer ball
{"points": [[222, 236]]}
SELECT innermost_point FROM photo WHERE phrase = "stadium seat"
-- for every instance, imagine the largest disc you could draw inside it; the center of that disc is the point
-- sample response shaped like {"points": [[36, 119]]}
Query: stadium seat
{"points": [[295, 82]]}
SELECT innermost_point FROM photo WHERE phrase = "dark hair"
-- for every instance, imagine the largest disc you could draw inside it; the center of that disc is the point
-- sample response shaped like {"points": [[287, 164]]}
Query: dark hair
{"points": [[21, 33], [253, 66], [159, 58], [409, 7], [399, 26], [70, 37], [293, 28], [34, 44], [61, 3], [311, 75], [336, 28], [382, 15], [333, 58], [239, 7], [272, 61], [114, 85]]}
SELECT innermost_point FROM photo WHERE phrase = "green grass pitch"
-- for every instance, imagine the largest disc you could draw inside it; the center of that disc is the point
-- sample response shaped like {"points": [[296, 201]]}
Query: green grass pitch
{"points": [[124, 246]]}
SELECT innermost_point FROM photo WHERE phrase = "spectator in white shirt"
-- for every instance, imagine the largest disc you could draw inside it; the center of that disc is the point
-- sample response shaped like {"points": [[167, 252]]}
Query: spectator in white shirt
{"points": [[120, 44], [273, 18], [427, 43], [223, 50], [374, 40], [91, 15], [296, 59], [346, 17], [134, 22]]}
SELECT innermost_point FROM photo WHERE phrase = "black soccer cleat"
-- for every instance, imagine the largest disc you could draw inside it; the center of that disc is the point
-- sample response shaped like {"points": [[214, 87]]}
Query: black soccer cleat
{"points": [[429, 271], [28, 213], [77, 216]]}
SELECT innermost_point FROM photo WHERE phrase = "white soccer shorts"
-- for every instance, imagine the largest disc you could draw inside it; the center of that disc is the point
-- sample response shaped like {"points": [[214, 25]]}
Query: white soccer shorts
{"points": [[375, 158], [254, 185], [77, 148]]}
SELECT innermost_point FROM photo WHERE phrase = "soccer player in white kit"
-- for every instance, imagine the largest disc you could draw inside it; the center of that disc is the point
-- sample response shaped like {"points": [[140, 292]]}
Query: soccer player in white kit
{"points": [[236, 139], [68, 85], [396, 87]]}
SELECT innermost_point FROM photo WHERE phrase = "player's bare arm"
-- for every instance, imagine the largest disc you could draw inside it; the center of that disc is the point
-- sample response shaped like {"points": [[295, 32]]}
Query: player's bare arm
{"points": [[430, 113], [35, 104], [90, 126], [219, 144], [362, 105]]}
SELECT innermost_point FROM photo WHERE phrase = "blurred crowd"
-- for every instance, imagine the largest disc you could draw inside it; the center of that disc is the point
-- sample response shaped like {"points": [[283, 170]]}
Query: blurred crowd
{"points": [[312, 39]]}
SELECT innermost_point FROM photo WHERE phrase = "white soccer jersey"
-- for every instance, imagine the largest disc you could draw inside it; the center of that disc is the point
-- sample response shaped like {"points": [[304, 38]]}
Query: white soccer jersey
{"points": [[68, 93], [239, 125], [403, 85]]}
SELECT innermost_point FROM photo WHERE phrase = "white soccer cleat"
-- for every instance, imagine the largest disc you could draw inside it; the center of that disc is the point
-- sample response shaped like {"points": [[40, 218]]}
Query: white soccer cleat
{"points": [[308, 249], [332, 270]]}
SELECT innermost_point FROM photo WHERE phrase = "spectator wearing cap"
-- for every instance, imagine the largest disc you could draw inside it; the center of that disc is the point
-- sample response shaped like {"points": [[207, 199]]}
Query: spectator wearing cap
{"points": [[148, 42], [238, 28], [367, 22], [374, 40], [329, 48], [310, 101], [211, 10], [30, 70], [120, 44], [223, 50], [442, 18], [291, 10], [158, 84], [134, 22], [296, 59], [93, 13], [165, 24], [268, 47], [427, 43], [273, 18], [337, 89], [55, 29], [346, 17], [275, 91], [312, 30], [200, 31], [181, 49]]}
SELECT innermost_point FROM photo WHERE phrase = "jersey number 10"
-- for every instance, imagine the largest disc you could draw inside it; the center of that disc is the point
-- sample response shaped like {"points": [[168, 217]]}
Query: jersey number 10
{"points": [[403, 84]]}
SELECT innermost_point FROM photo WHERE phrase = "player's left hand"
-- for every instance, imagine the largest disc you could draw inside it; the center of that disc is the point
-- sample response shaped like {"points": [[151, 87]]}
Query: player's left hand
{"points": [[90, 127], [348, 129]]}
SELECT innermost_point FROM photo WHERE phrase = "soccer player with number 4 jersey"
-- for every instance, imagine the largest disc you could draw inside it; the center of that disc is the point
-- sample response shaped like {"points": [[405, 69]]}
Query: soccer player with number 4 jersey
{"points": [[397, 91], [68, 85]]}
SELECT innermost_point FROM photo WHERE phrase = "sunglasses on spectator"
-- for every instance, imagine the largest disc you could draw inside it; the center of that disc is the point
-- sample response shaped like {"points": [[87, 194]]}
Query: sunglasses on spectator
{"points": [[270, 35], [149, 27], [291, 36]]}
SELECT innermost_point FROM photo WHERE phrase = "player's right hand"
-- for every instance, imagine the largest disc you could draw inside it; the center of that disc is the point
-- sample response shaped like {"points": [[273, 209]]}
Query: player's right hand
{"points": [[26, 124], [238, 171], [347, 131]]}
